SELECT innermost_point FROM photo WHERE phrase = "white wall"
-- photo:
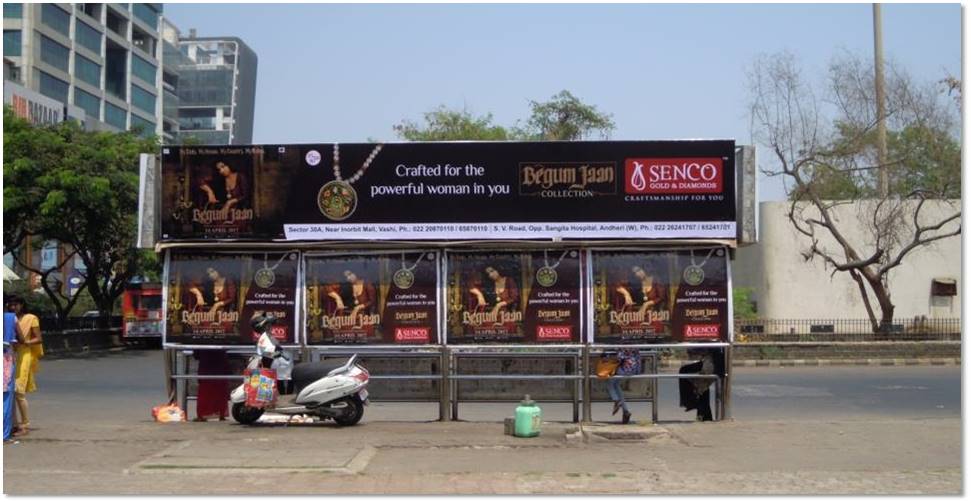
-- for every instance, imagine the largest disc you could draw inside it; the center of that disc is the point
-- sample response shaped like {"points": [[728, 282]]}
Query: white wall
{"points": [[786, 286]]}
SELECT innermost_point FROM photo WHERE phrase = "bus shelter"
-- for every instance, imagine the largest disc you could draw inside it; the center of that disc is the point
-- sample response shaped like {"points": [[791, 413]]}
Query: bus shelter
{"points": [[458, 271]]}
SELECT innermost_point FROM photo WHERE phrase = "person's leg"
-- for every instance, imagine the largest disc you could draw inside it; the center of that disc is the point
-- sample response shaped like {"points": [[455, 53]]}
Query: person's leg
{"points": [[688, 398], [23, 385], [620, 396], [616, 395], [613, 388], [7, 413], [22, 415], [704, 406]]}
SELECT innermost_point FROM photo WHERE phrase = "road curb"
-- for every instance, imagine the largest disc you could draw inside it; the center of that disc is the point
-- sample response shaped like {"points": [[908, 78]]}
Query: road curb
{"points": [[83, 353], [786, 363]]}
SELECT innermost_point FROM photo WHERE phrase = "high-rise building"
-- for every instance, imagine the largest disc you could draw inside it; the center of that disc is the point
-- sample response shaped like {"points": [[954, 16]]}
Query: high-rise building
{"points": [[217, 90], [172, 59], [102, 59]]}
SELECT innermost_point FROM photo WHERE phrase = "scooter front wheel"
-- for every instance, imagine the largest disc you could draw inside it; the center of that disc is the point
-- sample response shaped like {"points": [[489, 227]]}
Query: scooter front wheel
{"points": [[246, 415], [352, 414]]}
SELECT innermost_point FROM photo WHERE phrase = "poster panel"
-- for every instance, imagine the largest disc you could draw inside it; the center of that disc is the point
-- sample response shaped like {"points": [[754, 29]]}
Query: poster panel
{"points": [[212, 296], [377, 299], [514, 297], [660, 296], [450, 191]]}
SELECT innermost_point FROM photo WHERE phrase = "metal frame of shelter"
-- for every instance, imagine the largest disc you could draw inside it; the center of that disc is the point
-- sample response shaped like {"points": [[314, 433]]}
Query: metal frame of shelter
{"points": [[448, 355]]}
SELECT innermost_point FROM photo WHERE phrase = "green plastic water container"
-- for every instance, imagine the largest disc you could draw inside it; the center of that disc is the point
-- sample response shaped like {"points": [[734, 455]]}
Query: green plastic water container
{"points": [[528, 418]]}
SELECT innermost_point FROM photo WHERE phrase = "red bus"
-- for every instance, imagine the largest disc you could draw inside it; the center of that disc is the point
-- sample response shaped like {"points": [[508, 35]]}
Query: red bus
{"points": [[141, 310]]}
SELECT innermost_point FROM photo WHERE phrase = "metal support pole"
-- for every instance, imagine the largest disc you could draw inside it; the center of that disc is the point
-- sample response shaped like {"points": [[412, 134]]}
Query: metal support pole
{"points": [[718, 398], [884, 183], [444, 386], [587, 394], [727, 387], [182, 386], [170, 369], [654, 387], [453, 386], [576, 389]]}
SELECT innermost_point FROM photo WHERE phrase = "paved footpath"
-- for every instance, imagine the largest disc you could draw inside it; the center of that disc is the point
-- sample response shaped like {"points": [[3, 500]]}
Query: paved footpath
{"points": [[901, 456]]}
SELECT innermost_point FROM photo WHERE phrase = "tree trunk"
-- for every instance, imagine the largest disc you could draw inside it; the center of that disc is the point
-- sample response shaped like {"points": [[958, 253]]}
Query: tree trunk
{"points": [[105, 308], [886, 306], [866, 300]]}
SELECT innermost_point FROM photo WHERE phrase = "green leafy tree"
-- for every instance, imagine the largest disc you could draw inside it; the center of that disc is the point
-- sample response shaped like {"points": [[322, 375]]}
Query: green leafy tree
{"points": [[565, 117], [919, 157], [442, 124], [82, 190]]}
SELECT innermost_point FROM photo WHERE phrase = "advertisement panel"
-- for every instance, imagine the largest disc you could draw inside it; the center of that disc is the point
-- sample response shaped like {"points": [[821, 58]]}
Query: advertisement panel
{"points": [[450, 191], [505, 297], [210, 297], [383, 299], [660, 296]]}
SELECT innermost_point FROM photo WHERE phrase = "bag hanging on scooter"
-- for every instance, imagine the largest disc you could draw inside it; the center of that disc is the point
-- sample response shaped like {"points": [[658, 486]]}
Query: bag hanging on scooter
{"points": [[261, 388]]}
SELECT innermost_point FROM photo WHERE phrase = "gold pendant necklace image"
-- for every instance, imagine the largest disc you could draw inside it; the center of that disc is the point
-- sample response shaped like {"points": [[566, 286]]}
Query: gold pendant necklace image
{"points": [[546, 276], [337, 199]]}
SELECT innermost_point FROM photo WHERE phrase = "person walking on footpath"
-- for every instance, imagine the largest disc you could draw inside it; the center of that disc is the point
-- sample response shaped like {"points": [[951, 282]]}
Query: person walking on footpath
{"points": [[628, 362], [11, 336], [29, 354], [695, 393]]}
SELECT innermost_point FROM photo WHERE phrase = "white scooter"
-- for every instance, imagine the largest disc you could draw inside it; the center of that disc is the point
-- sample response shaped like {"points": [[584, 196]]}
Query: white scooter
{"points": [[329, 390]]}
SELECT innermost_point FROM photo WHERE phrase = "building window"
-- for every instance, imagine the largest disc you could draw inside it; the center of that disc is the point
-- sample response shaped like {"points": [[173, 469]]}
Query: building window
{"points": [[89, 102], [53, 87], [197, 119], [87, 37], [143, 69], [11, 43], [206, 87], [116, 73], [56, 18], [143, 41], [116, 23], [87, 71], [144, 127], [13, 10], [11, 71], [116, 116], [91, 9], [143, 99], [146, 13], [54, 53]]}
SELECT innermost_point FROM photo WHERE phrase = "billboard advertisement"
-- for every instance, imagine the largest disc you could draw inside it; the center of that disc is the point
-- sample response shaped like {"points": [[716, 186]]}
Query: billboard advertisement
{"points": [[660, 296], [514, 297], [379, 299], [210, 297], [450, 191]]}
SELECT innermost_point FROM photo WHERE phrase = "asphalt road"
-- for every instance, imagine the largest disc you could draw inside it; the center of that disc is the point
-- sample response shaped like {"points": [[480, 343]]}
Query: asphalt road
{"points": [[122, 387]]}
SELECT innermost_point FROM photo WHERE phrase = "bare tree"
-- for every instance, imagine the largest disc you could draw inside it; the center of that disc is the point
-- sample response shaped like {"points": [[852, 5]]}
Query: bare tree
{"points": [[821, 138]]}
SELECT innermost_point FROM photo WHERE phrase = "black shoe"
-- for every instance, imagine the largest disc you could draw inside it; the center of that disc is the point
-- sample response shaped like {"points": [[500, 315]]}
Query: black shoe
{"points": [[616, 407], [626, 419]]}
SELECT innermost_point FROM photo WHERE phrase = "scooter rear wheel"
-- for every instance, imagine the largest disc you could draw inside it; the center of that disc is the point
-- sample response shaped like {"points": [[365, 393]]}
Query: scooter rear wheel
{"points": [[246, 415], [352, 414]]}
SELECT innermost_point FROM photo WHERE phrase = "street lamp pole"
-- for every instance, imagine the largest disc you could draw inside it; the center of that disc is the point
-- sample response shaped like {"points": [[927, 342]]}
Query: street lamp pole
{"points": [[881, 106]]}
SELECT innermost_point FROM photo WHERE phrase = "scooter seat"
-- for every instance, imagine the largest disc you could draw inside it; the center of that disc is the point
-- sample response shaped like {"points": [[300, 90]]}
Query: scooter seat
{"points": [[305, 374]]}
